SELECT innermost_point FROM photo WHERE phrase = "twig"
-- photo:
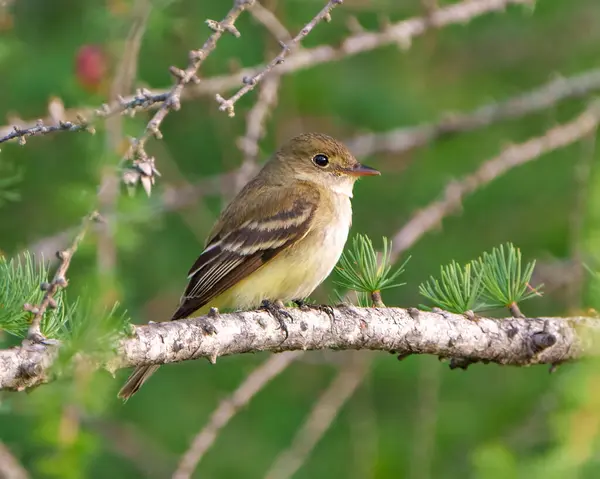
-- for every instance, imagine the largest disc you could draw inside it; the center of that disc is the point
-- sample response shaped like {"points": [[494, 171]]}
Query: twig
{"points": [[425, 420], [108, 191], [319, 420], [255, 130], [543, 97], [270, 21], [10, 468], [396, 141], [129, 442], [253, 383], [59, 282], [250, 82], [430, 217], [508, 341], [142, 163], [399, 33], [40, 129], [363, 424], [79, 119]]}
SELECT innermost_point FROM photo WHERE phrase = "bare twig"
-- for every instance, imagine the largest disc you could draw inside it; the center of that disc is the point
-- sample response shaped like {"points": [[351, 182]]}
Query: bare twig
{"points": [[271, 22], [398, 141], [129, 442], [425, 420], [39, 128], [125, 75], [363, 424], [399, 33], [543, 97], [257, 117], [250, 82], [144, 165], [10, 467], [221, 416], [509, 341], [430, 217], [58, 282], [319, 420]]}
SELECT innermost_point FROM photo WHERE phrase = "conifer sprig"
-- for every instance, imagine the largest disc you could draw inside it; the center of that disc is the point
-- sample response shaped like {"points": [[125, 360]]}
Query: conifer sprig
{"points": [[20, 280], [361, 270], [496, 279], [458, 291]]}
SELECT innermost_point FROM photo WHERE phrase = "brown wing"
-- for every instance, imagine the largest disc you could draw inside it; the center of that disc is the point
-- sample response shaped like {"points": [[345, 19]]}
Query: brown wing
{"points": [[240, 243]]}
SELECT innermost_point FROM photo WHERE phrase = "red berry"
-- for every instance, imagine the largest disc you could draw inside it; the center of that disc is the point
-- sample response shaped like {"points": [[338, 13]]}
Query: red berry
{"points": [[90, 66]]}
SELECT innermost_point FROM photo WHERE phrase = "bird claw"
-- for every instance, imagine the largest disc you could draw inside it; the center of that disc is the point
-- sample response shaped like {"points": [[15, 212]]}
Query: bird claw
{"points": [[277, 311], [325, 308]]}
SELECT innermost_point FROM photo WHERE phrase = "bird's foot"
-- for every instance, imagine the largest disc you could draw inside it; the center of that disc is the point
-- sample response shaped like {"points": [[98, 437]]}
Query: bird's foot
{"points": [[325, 308], [276, 309]]}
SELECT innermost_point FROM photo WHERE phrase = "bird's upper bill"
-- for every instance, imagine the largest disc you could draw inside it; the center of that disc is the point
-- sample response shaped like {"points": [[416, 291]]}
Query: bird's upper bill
{"points": [[361, 170]]}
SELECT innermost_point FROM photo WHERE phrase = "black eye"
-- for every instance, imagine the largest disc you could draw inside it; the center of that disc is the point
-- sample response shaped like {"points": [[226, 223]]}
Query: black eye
{"points": [[321, 160]]}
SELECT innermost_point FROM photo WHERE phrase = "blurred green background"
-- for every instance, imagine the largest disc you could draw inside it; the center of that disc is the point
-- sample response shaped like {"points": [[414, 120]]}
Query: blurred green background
{"points": [[413, 419]]}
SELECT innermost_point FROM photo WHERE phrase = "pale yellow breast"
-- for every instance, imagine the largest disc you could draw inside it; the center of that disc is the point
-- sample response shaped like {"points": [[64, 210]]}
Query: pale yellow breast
{"points": [[296, 272]]}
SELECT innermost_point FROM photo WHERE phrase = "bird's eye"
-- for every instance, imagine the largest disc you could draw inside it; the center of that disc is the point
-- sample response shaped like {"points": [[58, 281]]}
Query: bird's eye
{"points": [[320, 160]]}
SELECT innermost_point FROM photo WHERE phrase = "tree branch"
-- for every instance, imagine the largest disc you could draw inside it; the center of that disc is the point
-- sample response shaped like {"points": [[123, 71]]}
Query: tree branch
{"points": [[509, 341], [58, 282], [558, 137], [397, 141], [143, 166], [250, 82], [10, 467], [538, 99], [399, 33], [324, 411], [221, 416]]}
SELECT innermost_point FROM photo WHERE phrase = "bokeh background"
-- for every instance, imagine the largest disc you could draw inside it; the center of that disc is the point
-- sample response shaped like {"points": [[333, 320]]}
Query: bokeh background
{"points": [[412, 419]]}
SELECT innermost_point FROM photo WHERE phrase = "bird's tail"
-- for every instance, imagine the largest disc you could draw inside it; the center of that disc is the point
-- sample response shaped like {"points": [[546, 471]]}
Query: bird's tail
{"points": [[135, 381], [142, 373]]}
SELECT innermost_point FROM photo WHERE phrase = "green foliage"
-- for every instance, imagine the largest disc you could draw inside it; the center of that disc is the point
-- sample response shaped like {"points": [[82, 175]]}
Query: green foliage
{"points": [[79, 324], [93, 329], [20, 280], [504, 280], [457, 291], [496, 279], [403, 420], [362, 271]]}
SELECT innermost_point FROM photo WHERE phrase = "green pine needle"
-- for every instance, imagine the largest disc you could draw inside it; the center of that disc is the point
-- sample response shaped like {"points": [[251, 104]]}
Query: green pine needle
{"points": [[94, 330], [458, 290], [20, 280], [504, 279], [360, 270]]}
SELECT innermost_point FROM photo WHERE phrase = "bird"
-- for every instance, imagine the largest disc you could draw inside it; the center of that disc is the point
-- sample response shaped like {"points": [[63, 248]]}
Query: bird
{"points": [[278, 239]]}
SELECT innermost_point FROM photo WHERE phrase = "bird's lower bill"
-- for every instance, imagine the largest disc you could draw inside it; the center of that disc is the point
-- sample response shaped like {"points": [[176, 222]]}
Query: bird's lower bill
{"points": [[363, 170]]}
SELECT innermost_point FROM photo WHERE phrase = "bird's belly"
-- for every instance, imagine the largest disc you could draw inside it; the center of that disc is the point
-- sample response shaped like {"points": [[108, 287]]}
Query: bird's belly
{"points": [[294, 273]]}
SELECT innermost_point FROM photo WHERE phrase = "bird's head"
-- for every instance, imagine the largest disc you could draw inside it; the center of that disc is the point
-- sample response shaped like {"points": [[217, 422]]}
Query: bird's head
{"points": [[320, 159]]}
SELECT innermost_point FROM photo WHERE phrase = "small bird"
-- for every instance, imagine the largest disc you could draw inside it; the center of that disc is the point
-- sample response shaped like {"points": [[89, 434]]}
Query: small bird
{"points": [[278, 239]]}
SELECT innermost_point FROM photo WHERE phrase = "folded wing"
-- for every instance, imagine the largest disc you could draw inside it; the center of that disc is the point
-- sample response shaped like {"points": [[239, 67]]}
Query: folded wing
{"points": [[236, 251]]}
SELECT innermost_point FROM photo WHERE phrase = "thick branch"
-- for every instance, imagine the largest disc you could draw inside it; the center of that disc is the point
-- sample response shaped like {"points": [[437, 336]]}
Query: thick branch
{"points": [[511, 341]]}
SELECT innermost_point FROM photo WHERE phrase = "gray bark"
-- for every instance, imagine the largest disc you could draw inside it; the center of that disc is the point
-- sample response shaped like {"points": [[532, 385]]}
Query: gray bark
{"points": [[508, 341]]}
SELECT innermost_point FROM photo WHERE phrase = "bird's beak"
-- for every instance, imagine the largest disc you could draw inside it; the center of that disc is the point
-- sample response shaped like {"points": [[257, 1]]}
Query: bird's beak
{"points": [[362, 170]]}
